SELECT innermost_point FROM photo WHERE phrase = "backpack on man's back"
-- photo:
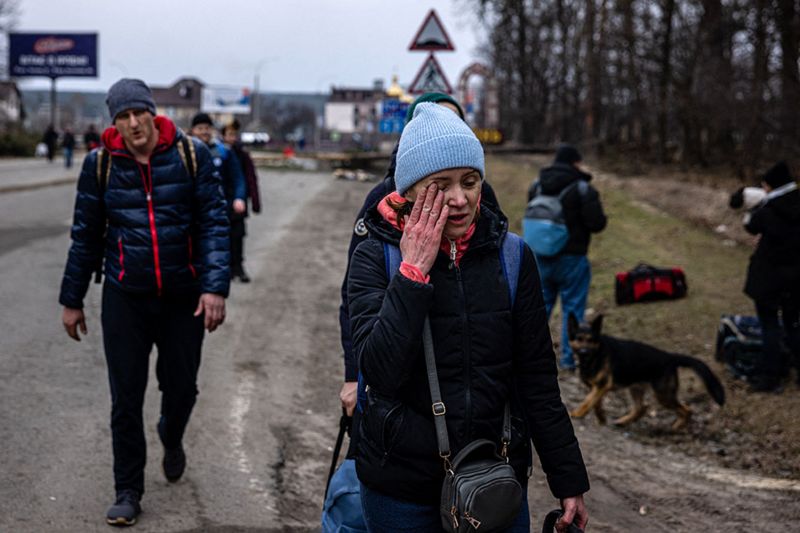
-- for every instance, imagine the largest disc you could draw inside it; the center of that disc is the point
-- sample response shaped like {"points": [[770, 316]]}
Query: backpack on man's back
{"points": [[544, 227]]}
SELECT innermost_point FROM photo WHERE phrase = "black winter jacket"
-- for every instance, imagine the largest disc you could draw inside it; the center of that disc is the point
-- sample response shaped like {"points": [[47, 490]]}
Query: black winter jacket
{"points": [[486, 353], [174, 239], [775, 265], [583, 213]]}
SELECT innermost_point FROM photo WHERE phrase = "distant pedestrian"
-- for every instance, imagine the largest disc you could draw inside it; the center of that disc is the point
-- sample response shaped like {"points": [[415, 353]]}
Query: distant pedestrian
{"points": [[91, 139], [230, 137], [50, 139], [68, 143], [233, 180], [773, 277], [161, 232], [568, 273]]}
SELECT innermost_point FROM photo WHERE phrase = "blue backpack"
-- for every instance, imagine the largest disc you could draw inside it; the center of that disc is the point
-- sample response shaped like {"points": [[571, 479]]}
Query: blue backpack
{"points": [[341, 512], [543, 224]]}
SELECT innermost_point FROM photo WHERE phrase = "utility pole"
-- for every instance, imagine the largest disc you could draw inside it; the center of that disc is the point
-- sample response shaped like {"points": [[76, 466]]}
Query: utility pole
{"points": [[256, 102], [53, 104]]}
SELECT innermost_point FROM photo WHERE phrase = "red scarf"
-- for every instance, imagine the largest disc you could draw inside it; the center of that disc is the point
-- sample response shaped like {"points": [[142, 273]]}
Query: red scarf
{"points": [[390, 215]]}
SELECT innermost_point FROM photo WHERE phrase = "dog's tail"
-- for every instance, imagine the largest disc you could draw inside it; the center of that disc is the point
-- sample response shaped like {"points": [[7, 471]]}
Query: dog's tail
{"points": [[713, 384]]}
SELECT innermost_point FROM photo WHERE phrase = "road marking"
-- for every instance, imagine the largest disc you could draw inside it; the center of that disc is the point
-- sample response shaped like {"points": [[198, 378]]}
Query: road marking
{"points": [[749, 481], [740, 479], [239, 409]]}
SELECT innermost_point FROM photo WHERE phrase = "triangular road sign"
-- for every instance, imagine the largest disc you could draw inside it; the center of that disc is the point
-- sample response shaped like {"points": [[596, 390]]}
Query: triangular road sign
{"points": [[430, 79], [431, 36]]}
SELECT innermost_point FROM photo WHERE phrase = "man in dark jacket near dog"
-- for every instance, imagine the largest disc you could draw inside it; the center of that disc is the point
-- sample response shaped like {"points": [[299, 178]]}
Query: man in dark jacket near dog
{"points": [[568, 273], [773, 278], [163, 231]]}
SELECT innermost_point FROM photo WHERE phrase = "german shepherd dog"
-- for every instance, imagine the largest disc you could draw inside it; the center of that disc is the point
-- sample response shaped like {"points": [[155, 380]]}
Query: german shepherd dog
{"points": [[606, 363]]}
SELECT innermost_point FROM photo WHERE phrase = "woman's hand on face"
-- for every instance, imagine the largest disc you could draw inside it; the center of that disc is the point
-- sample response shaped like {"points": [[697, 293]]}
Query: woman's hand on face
{"points": [[423, 229]]}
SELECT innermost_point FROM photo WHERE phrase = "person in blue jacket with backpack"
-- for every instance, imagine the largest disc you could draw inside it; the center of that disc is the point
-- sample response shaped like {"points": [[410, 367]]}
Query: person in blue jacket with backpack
{"points": [[491, 348], [234, 186], [568, 273], [153, 215]]}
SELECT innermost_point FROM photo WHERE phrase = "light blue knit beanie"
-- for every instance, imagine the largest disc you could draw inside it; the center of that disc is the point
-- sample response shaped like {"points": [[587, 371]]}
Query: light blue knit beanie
{"points": [[435, 139]]}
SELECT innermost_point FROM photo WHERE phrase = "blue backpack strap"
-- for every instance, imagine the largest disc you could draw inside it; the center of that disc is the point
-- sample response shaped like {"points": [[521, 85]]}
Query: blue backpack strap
{"points": [[511, 259], [392, 259]]}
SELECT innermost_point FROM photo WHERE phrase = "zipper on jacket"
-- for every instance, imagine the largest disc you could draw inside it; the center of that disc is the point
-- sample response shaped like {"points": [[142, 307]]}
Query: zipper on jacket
{"points": [[121, 259], [191, 258], [466, 348], [453, 251], [147, 182]]}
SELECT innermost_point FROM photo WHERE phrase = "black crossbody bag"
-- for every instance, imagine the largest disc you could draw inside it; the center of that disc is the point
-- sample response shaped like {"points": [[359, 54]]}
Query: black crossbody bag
{"points": [[480, 491]]}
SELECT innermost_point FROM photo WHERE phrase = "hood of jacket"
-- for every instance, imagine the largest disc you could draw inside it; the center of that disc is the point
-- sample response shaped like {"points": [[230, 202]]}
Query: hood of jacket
{"points": [[556, 177], [167, 134]]}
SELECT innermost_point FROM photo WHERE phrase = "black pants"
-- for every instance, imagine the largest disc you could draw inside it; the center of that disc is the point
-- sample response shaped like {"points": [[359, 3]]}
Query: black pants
{"points": [[237, 244], [788, 305], [132, 323]]}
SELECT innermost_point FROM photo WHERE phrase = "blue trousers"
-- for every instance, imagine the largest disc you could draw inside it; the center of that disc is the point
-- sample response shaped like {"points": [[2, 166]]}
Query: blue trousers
{"points": [[567, 276], [384, 514]]}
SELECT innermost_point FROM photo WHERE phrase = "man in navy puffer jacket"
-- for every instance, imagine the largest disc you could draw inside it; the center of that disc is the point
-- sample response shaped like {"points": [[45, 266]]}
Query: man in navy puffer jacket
{"points": [[164, 236]]}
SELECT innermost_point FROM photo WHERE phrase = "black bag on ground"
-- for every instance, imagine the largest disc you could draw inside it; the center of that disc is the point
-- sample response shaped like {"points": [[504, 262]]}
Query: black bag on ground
{"points": [[646, 283], [739, 345]]}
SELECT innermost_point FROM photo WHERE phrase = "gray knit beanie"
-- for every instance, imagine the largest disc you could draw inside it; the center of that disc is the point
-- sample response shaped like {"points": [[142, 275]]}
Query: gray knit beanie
{"points": [[129, 93], [436, 139]]}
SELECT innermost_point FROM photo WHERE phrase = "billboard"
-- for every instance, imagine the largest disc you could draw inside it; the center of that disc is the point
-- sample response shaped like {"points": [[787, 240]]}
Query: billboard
{"points": [[234, 100], [52, 54]]}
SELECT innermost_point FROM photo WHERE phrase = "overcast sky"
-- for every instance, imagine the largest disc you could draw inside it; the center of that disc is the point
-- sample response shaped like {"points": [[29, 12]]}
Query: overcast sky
{"points": [[296, 45]]}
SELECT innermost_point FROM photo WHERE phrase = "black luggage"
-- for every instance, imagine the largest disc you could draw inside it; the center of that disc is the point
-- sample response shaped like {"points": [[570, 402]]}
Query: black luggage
{"points": [[739, 345]]}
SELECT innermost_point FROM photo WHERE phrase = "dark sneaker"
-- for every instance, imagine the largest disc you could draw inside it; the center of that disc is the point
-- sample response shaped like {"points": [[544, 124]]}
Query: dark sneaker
{"points": [[174, 462], [125, 509]]}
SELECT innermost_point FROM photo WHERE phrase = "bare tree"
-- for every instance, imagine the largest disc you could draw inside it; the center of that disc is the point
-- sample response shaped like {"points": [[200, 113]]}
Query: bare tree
{"points": [[9, 13]]}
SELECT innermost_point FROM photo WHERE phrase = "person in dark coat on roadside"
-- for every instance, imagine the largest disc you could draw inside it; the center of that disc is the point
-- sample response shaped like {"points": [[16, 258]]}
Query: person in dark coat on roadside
{"points": [[568, 273], [488, 350], [161, 235], [230, 137], [50, 139], [773, 277], [68, 144], [91, 139]]}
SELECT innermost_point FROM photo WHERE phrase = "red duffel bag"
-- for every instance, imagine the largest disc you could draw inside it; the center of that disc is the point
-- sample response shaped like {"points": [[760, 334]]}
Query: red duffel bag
{"points": [[646, 283]]}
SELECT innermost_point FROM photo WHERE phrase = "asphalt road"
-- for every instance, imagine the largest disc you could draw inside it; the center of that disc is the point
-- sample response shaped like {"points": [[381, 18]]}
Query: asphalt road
{"points": [[259, 442]]}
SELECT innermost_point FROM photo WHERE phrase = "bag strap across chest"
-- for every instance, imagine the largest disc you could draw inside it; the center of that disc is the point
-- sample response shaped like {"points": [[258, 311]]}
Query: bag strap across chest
{"points": [[511, 261]]}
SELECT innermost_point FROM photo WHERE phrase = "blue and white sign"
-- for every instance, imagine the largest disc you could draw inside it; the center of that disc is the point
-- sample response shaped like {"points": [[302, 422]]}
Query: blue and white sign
{"points": [[52, 54], [217, 99]]}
